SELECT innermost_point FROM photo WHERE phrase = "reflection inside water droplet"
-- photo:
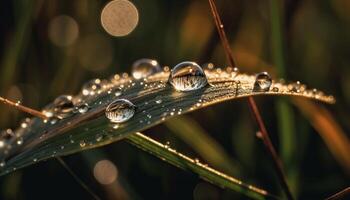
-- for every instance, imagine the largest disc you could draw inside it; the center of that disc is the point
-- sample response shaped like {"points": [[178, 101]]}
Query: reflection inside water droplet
{"points": [[262, 82], [120, 110], [187, 76]]}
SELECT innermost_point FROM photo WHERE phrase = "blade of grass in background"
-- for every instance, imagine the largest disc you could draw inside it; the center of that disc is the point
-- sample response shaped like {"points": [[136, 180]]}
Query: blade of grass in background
{"points": [[284, 112], [173, 157], [331, 133], [197, 138], [14, 48]]}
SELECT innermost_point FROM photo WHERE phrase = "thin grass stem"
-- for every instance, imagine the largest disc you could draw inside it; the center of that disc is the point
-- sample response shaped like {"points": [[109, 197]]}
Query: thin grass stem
{"points": [[77, 179], [22, 108], [264, 134]]}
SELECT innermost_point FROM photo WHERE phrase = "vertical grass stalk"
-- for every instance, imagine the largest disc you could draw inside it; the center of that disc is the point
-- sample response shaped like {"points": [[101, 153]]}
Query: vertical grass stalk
{"points": [[284, 112], [277, 164]]}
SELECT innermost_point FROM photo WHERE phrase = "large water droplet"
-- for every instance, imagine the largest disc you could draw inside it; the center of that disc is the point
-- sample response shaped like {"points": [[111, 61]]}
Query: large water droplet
{"points": [[262, 82], [120, 110], [187, 76], [145, 67]]}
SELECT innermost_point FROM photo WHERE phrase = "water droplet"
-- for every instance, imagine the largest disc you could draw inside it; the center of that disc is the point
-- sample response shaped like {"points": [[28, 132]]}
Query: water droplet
{"points": [[99, 137], [208, 66], [35, 159], [120, 110], [296, 87], [117, 92], [82, 143], [82, 108], [2, 144], [63, 106], [53, 120], [275, 89], [19, 141], [159, 100], [2, 164], [91, 87], [24, 125], [145, 67], [7, 134], [262, 82], [187, 76], [167, 145]]}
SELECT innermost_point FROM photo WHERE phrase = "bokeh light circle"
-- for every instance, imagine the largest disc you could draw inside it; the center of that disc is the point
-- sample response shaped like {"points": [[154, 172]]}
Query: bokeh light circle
{"points": [[119, 17], [105, 172], [63, 30]]}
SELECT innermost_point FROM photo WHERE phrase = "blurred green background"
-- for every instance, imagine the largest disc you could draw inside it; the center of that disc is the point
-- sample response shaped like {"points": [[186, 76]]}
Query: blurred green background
{"points": [[43, 55]]}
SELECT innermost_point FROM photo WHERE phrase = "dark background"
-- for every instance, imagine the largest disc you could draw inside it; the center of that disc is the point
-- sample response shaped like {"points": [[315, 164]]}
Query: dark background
{"points": [[35, 70]]}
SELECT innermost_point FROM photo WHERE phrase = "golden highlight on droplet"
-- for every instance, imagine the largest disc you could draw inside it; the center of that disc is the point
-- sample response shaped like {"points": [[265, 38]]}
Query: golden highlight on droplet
{"points": [[119, 17]]}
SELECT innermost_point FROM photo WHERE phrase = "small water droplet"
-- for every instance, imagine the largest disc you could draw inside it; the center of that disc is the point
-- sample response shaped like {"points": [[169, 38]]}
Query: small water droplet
{"points": [[2, 164], [117, 92], [19, 141], [120, 110], [208, 66], [53, 120], [99, 137], [82, 108], [35, 159], [167, 145], [262, 82], [159, 100], [82, 143], [187, 76], [24, 125], [296, 87], [145, 67]]}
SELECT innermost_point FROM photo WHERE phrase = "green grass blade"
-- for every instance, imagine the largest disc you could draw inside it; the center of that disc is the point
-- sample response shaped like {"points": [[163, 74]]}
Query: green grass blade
{"points": [[177, 159], [284, 112], [40, 140], [212, 152]]}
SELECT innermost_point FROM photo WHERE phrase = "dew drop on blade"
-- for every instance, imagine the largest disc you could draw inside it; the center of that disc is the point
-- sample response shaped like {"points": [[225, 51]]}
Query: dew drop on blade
{"points": [[63, 106], [120, 110], [187, 76], [82, 108], [145, 67], [262, 82]]}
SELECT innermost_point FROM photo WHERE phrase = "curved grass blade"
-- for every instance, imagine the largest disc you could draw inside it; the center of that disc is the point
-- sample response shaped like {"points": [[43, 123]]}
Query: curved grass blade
{"points": [[211, 151], [179, 160], [155, 101]]}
